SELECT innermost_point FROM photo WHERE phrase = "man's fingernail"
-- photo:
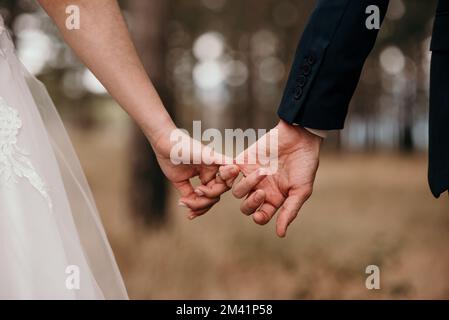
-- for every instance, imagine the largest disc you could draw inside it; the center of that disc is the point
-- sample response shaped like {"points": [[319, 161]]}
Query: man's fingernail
{"points": [[284, 234], [199, 192], [182, 204], [258, 195]]}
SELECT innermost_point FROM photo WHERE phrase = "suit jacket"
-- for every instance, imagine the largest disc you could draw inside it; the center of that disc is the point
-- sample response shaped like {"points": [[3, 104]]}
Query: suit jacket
{"points": [[327, 68]]}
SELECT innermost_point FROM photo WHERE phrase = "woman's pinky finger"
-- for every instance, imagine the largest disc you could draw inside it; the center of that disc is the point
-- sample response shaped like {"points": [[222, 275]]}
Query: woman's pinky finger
{"points": [[194, 214], [198, 203], [212, 190]]}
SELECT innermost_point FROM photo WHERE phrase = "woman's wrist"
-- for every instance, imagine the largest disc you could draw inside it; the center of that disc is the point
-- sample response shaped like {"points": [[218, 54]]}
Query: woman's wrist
{"points": [[158, 130]]}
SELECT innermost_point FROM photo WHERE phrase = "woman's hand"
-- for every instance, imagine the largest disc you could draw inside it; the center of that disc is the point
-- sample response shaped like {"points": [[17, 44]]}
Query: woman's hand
{"points": [[180, 171]]}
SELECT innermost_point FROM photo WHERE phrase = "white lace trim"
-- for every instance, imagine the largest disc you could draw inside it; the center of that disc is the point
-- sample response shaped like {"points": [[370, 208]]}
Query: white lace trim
{"points": [[14, 162]]}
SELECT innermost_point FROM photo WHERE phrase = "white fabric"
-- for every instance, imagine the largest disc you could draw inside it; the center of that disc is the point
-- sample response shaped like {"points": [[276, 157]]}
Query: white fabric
{"points": [[318, 132], [49, 225]]}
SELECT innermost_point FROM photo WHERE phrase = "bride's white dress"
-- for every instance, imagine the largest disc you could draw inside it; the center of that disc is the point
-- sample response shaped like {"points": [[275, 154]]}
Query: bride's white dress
{"points": [[52, 242]]}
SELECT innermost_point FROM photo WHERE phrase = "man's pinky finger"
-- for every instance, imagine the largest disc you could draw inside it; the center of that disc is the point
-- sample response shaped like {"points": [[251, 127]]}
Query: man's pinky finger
{"points": [[287, 214]]}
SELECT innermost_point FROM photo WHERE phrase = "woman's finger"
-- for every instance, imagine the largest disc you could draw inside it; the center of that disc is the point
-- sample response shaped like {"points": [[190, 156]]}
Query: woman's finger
{"points": [[208, 174], [228, 174], [185, 188], [196, 203], [219, 185], [212, 190], [194, 214]]}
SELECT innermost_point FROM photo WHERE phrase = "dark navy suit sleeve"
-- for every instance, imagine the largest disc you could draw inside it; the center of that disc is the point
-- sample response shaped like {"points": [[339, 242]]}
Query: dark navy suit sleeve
{"points": [[439, 102], [328, 63]]}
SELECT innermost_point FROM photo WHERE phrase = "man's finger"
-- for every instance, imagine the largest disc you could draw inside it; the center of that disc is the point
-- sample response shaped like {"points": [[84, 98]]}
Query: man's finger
{"points": [[246, 184], [264, 214], [254, 201], [216, 187], [229, 172], [288, 213]]}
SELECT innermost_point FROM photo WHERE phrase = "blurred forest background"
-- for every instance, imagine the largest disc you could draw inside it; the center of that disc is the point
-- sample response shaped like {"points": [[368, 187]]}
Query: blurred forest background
{"points": [[225, 62]]}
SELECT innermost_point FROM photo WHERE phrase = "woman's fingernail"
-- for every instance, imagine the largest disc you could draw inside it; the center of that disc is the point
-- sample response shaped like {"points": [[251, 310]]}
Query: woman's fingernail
{"points": [[182, 204], [191, 217], [262, 172], [199, 192]]}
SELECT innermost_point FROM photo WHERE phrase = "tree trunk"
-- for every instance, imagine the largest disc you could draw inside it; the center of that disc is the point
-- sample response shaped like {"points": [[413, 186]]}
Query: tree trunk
{"points": [[149, 188]]}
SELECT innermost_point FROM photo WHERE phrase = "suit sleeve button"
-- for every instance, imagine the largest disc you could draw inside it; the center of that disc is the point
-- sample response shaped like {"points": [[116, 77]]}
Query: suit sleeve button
{"points": [[298, 93], [301, 80], [306, 69], [311, 59]]}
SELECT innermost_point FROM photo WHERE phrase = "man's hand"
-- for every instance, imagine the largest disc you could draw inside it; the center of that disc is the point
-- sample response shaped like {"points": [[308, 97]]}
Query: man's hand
{"points": [[289, 187]]}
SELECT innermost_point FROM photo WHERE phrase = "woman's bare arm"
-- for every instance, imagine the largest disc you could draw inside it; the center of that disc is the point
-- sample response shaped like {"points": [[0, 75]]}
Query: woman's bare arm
{"points": [[104, 45]]}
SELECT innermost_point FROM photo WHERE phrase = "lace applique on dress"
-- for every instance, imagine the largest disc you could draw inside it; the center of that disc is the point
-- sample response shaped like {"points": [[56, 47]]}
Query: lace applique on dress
{"points": [[14, 162]]}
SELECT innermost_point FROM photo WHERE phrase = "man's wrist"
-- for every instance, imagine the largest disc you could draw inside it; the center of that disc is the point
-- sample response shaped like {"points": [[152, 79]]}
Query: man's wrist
{"points": [[318, 132], [288, 127]]}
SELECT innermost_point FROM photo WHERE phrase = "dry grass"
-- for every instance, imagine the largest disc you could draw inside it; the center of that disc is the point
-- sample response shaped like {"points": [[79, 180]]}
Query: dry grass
{"points": [[366, 209]]}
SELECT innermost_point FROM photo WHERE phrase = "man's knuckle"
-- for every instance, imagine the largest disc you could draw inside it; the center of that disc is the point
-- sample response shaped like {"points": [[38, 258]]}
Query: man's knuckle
{"points": [[237, 193], [306, 192]]}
